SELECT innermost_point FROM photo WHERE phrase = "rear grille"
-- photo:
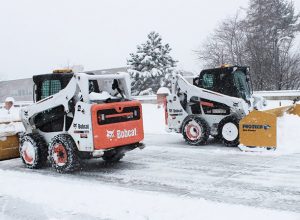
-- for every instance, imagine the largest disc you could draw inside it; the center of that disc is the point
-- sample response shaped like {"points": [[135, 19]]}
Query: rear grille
{"points": [[111, 116]]}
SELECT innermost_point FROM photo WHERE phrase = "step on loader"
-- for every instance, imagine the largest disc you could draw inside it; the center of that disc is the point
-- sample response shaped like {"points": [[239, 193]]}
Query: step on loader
{"points": [[78, 116]]}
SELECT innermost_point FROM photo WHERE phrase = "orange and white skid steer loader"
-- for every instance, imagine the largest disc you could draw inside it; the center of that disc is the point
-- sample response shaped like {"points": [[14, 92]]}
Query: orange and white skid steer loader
{"points": [[80, 116]]}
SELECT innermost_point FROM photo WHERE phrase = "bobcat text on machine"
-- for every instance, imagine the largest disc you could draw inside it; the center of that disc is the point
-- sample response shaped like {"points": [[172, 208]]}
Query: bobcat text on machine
{"points": [[80, 116], [220, 103]]}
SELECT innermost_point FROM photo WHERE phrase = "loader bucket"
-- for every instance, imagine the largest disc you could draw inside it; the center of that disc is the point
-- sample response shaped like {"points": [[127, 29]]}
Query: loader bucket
{"points": [[259, 128], [295, 110], [9, 147], [291, 109]]}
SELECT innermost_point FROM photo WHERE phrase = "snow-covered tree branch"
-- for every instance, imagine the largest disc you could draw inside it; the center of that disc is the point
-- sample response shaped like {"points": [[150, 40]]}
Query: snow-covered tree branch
{"points": [[151, 65]]}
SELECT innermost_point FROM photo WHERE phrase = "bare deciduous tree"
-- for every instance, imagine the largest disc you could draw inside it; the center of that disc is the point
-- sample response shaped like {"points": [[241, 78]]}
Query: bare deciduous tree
{"points": [[263, 39], [225, 44]]}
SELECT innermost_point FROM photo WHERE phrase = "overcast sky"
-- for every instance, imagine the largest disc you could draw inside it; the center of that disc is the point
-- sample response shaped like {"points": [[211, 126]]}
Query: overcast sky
{"points": [[40, 35]]}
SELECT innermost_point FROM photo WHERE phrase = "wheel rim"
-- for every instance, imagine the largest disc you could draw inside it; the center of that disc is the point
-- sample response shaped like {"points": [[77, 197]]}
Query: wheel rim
{"points": [[230, 131], [60, 156], [28, 152], [193, 131]]}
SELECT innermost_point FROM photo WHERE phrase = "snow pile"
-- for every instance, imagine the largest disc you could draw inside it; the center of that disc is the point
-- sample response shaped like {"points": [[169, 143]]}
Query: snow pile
{"points": [[13, 116], [100, 96], [110, 202], [10, 123], [154, 119], [288, 134], [145, 92], [277, 104], [11, 129], [163, 90]]}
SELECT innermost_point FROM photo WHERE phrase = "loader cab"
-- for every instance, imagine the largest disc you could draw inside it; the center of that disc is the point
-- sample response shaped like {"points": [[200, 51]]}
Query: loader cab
{"points": [[53, 119], [49, 84], [231, 80]]}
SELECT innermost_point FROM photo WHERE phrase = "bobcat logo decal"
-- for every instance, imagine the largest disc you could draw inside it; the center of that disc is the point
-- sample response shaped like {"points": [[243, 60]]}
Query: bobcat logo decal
{"points": [[120, 134], [110, 134]]}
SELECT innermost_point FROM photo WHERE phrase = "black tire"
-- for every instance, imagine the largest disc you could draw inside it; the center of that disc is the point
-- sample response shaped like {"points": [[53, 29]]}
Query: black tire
{"points": [[112, 157], [33, 151], [63, 154], [195, 130], [228, 130]]}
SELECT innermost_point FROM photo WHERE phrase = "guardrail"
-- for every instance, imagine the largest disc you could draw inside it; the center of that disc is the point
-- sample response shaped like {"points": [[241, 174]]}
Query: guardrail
{"points": [[279, 95], [268, 95]]}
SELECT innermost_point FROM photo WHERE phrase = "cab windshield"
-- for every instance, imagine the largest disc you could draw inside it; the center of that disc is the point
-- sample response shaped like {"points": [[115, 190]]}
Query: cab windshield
{"points": [[228, 82], [242, 84]]}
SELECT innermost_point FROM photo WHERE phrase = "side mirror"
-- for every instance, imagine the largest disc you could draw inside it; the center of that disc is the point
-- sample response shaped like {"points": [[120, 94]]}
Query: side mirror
{"points": [[115, 85]]}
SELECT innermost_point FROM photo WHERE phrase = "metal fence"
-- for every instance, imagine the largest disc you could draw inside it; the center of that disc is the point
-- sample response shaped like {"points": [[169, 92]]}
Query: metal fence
{"points": [[279, 95]]}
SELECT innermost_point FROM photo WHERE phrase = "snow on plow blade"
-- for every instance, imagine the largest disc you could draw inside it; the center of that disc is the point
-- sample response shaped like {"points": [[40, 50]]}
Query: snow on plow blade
{"points": [[258, 130], [9, 147]]}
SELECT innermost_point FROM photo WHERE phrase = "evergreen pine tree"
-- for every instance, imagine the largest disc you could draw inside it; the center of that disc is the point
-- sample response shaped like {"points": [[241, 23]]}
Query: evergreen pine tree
{"points": [[151, 65]]}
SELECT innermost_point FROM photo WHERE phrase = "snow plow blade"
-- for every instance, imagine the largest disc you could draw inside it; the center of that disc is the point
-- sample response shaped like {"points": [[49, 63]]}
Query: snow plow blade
{"points": [[258, 130], [9, 147]]}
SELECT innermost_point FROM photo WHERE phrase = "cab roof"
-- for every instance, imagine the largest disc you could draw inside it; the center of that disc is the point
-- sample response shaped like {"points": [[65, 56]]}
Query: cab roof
{"points": [[226, 70], [63, 77]]}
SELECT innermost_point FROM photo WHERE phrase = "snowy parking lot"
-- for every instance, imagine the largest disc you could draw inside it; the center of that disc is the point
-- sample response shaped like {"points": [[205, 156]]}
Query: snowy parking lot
{"points": [[167, 180]]}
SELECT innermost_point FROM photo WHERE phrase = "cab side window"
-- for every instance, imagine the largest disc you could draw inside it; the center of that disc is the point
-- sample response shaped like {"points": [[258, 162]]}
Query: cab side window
{"points": [[208, 81]]}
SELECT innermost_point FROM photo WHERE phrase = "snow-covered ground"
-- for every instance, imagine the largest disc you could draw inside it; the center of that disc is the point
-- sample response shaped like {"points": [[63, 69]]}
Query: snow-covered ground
{"points": [[167, 180], [50, 197]]}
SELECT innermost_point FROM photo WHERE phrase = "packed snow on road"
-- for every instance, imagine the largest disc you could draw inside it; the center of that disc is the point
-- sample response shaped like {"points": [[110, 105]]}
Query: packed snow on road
{"points": [[167, 180]]}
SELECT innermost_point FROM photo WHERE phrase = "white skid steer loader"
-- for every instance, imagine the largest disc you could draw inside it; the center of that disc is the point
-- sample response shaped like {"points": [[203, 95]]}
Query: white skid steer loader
{"points": [[80, 116], [218, 103]]}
